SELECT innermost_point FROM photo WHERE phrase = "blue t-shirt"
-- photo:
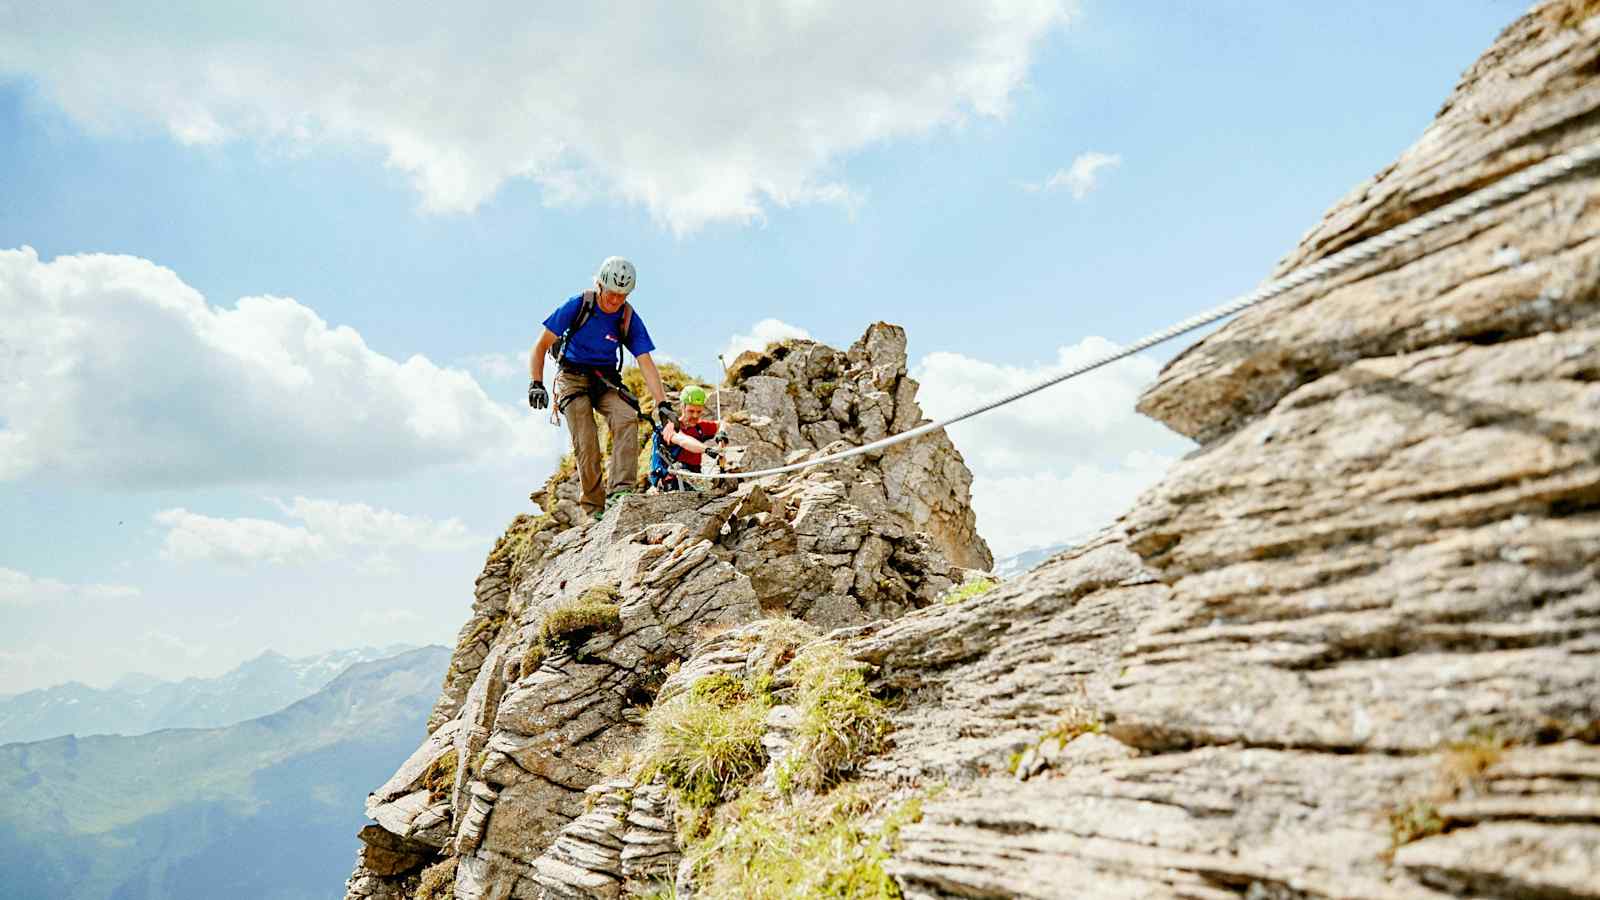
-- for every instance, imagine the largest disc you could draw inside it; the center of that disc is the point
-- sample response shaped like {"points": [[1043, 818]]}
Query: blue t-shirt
{"points": [[595, 344]]}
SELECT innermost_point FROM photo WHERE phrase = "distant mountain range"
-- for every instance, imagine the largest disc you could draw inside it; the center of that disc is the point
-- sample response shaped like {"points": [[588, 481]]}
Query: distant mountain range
{"points": [[137, 704], [266, 808], [1012, 566]]}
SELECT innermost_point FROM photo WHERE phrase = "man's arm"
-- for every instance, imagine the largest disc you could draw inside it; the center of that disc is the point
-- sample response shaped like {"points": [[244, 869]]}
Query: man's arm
{"points": [[540, 351], [652, 378]]}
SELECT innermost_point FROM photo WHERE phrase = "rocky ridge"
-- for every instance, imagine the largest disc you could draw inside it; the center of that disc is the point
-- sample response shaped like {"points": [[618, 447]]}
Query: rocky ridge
{"points": [[1349, 647], [575, 625]]}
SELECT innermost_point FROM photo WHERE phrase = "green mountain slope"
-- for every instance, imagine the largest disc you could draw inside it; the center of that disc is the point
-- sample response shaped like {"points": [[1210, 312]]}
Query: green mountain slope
{"points": [[139, 704], [264, 809]]}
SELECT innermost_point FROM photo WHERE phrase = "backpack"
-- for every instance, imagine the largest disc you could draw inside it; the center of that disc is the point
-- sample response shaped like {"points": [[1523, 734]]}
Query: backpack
{"points": [[591, 299]]}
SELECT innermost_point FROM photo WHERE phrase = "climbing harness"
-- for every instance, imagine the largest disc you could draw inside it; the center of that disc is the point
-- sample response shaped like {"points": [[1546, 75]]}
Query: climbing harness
{"points": [[1509, 188]]}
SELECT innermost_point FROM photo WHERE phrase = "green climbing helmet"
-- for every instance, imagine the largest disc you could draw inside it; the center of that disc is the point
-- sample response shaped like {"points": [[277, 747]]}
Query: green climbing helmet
{"points": [[693, 395]]}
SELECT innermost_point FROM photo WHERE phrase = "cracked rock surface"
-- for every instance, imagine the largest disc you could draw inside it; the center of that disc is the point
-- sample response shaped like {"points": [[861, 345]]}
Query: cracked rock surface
{"points": [[527, 717], [1348, 648], [1357, 649]]}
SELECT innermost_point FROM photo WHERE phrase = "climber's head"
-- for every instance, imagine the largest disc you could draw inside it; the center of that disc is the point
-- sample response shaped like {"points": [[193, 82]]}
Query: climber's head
{"points": [[692, 404], [615, 281]]}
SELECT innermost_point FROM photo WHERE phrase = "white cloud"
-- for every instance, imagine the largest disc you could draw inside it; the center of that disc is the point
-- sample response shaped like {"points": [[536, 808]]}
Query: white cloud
{"points": [[700, 111], [389, 618], [1058, 464], [1063, 506], [19, 589], [166, 644], [114, 371], [360, 525], [328, 529], [1083, 175], [500, 366], [763, 333], [191, 536]]}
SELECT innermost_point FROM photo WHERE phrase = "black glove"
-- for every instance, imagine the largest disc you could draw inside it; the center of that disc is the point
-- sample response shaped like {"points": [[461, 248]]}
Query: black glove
{"points": [[538, 397], [665, 412], [710, 451]]}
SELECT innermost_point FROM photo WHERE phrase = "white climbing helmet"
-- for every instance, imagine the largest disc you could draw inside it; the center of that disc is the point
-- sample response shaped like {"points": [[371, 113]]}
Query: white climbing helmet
{"points": [[616, 274]]}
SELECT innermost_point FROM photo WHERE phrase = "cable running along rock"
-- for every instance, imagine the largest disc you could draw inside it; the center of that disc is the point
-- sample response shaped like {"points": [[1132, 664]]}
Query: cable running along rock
{"points": [[1506, 189]]}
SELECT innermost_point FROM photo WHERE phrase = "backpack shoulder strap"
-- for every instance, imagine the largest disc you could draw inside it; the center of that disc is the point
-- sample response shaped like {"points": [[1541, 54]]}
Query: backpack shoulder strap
{"points": [[558, 350], [585, 310]]}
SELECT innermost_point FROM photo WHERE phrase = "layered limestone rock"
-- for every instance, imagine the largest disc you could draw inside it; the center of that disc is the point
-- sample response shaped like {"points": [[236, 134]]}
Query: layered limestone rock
{"points": [[1357, 649], [1349, 647], [576, 624], [799, 399]]}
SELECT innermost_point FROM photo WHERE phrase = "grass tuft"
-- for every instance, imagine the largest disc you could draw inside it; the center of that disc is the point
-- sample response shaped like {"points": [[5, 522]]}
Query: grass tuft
{"points": [[531, 658], [1413, 822], [706, 741], [567, 625], [441, 776], [842, 723], [1462, 769], [968, 590], [1076, 720], [762, 849], [438, 881], [487, 629], [1465, 762]]}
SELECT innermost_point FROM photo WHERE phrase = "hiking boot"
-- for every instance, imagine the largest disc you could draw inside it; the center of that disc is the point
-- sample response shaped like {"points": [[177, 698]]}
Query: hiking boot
{"points": [[614, 498]]}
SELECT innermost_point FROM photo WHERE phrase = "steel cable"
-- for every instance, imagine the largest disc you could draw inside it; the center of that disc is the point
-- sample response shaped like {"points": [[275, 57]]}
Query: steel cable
{"points": [[1506, 189]]}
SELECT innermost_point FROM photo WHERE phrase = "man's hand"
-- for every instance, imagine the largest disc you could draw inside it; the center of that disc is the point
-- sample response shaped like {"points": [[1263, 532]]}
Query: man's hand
{"points": [[711, 451], [538, 397], [665, 413]]}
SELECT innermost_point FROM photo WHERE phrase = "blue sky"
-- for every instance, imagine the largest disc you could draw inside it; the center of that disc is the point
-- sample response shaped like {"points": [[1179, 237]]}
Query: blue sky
{"points": [[434, 189]]}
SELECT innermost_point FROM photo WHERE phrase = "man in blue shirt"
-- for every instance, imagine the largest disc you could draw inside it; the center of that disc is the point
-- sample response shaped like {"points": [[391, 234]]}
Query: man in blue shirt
{"points": [[588, 334]]}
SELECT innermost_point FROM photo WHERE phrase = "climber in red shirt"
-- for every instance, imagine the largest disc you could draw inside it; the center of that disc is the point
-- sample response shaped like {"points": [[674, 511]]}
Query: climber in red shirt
{"points": [[692, 433]]}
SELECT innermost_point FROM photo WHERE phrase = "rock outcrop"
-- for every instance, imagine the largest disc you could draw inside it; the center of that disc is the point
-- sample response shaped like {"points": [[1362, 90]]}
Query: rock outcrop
{"points": [[1357, 643], [574, 626], [1349, 647]]}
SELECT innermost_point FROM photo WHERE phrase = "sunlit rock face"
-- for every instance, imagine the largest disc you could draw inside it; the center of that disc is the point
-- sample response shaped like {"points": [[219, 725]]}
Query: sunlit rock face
{"points": [[1349, 647], [524, 722]]}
